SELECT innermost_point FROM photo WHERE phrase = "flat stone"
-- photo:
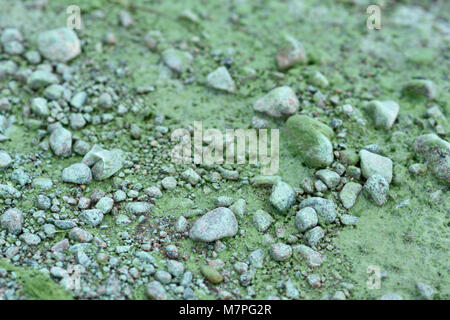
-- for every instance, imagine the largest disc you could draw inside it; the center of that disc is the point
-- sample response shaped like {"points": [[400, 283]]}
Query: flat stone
{"points": [[349, 193]]}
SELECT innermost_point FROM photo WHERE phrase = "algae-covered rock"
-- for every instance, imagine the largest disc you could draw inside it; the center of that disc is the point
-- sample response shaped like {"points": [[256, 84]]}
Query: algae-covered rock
{"points": [[310, 139], [420, 88], [383, 113], [278, 103], [349, 193], [436, 152], [211, 274], [290, 53]]}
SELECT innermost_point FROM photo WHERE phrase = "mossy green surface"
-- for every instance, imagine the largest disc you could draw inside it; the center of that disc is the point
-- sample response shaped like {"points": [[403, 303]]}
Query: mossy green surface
{"points": [[410, 243], [35, 284]]}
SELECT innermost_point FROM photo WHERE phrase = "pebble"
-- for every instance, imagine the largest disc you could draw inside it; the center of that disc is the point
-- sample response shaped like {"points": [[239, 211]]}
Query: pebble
{"points": [[105, 204], [425, 291], [220, 79], [211, 274], [436, 152], [310, 140], [59, 44], [280, 251], [12, 220], [139, 207], [282, 196], [279, 102], [290, 53], [313, 258], [41, 78], [92, 217], [262, 220], [214, 225], [80, 235], [330, 178], [169, 183], [61, 142], [325, 209], [39, 107], [191, 176], [372, 163], [177, 60], [30, 239], [383, 113], [391, 296], [156, 291], [175, 268], [77, 173], [314, 236], [349, 194], [5, 159], [306, 219], [377, 188], [349, 220]]}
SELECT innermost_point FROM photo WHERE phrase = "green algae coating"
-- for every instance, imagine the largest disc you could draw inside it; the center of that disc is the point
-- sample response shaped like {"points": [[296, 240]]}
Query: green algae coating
{"points": [[309, 139], [36, 285]]}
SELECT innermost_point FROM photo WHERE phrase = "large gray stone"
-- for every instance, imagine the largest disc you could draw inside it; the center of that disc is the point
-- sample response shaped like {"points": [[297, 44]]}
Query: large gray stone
{"points": [[214, 225]]}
